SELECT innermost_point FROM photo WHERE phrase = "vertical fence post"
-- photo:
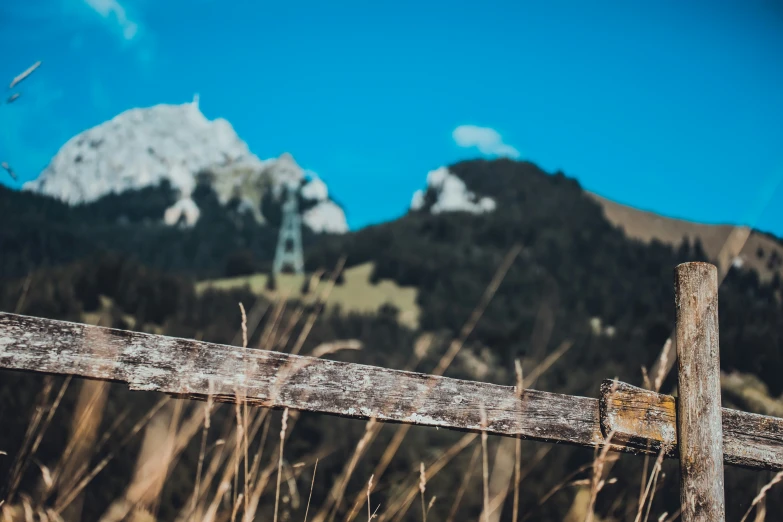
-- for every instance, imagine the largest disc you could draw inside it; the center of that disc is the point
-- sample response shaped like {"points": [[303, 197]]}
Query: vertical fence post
{"points": [[699, 423]]}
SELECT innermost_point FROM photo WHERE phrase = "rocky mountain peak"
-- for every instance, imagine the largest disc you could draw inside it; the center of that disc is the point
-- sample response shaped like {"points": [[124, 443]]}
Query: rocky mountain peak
{"points": [[144, 146]]}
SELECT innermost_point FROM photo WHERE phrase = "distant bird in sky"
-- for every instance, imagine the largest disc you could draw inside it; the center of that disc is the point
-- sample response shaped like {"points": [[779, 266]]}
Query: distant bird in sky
{"points": [[16, 81], [8, 169]]}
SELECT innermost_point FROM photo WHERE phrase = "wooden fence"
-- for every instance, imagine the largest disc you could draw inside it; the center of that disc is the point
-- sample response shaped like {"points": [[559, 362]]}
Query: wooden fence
{"points": [[693, 428]]}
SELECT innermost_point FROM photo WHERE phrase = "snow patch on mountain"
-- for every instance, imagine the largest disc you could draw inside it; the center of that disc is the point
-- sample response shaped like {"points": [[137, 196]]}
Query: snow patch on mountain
{"points": [[141, 147], [144, 146], [450, 194], [183, 211], [316, 190], [327, 217]]}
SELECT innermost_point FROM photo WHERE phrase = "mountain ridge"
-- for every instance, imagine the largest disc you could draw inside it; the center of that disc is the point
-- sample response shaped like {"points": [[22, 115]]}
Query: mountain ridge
{"points": [[446, 191], [141, 147], [726, 244]]}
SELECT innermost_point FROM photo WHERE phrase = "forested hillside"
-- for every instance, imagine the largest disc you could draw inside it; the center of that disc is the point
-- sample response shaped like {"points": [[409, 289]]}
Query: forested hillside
{"points": [[574, 266], [42, 231], [574, 270]]}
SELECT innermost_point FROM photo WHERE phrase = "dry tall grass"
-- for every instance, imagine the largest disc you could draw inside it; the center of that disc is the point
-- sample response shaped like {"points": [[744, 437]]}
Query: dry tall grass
{"points": [[240, 477]]}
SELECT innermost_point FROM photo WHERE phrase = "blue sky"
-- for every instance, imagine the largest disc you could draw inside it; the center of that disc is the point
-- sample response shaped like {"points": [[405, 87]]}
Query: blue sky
{"points": [[670, 106]]}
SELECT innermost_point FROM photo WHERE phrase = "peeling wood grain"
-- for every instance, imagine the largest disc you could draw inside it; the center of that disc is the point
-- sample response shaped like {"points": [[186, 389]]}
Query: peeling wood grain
{"points": [[642, 418], [185, 368], [699, 418]]}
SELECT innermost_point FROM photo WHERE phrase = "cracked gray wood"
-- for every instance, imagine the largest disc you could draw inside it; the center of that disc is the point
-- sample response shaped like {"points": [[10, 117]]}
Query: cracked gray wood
{"points": [[699, 418], [272, 379]]}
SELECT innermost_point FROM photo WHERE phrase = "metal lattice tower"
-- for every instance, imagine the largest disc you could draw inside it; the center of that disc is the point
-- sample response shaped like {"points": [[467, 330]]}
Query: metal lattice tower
{"points": [[289, 241]]}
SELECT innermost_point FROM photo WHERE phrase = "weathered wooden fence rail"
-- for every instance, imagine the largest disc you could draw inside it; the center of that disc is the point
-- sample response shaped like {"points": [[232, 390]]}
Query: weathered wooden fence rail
{"points": [[641, 421]]}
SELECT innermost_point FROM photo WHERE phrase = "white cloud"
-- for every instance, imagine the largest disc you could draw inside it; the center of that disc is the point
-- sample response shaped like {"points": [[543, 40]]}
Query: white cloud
{"points": [[124, 19], [114, 11], [485, 139]]}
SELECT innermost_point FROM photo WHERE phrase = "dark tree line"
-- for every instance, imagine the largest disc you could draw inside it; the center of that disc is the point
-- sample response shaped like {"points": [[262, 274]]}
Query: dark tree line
{"points": [[39, 231]]}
